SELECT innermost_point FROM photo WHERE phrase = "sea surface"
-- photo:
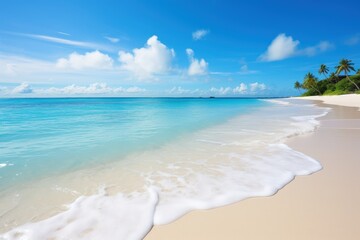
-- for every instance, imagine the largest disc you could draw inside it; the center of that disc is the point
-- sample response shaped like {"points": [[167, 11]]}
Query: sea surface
{"points": [[111, 168]]}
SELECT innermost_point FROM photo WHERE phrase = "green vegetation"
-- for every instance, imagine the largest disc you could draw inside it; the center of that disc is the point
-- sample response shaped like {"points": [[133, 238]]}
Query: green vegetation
{"points": [[334, 84]]}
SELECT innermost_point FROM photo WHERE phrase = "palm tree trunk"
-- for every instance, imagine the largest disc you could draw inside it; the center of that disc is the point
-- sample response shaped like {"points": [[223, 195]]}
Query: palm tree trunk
{"points": [[313, 87], [352, 82]]}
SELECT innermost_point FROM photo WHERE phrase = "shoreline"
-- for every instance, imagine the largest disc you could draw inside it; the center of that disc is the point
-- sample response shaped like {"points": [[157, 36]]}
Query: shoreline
{"points": [[321, 206]]}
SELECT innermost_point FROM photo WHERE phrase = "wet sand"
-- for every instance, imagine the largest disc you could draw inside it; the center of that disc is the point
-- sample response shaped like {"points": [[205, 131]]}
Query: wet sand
{"points": [[322, 206]]}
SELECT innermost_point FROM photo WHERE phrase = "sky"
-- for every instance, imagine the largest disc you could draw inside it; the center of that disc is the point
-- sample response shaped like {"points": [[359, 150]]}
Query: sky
{"points": [[171, 48]]}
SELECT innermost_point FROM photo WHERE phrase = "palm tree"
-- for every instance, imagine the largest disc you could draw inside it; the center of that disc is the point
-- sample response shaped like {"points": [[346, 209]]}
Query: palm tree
{"points": [[333, 77], [298, 86], [346, 66], [323, 70], [310, 82], [358, 71]]}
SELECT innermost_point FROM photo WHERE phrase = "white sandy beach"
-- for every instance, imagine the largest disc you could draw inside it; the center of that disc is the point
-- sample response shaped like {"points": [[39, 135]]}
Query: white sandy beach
{"points": [[348, 100], [323, 206]]}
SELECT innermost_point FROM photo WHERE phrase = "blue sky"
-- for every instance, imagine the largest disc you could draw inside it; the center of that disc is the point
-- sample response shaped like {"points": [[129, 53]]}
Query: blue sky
{"points": [[170, 48]]}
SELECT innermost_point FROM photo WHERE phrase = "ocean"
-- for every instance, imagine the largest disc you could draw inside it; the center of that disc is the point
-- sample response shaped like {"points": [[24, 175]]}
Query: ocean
{"points": [[105, 168]]}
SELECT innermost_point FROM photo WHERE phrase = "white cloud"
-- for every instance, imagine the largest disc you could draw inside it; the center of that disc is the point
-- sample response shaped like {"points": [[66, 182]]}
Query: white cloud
{"points": [[244, 69], [95, 88], [91, 89], [199, 34], [154, 58], [17, 69], [8, 69], [134, 90], [13, 66], [22, 88], [321, 47], [67, 41], [112, 39], [280, 48], [64, 33], [255, 87], [241, 88], [283, 47], [90, 60], [221, 90], [180, 91], [197, 67]]}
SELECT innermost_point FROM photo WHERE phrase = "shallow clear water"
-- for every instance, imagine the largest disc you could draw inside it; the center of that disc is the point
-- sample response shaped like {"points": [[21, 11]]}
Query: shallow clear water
{"points": [[42, 137]]}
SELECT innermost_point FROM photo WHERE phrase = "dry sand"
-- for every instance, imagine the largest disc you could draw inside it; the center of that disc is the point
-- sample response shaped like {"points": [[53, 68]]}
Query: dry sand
{"points": [[323, 206], [348, 100]]}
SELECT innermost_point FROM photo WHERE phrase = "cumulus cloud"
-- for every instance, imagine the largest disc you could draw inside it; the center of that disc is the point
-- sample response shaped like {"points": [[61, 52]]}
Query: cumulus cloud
{"points": [[280, 48], [95, 88], [23, 88], [241, 88], [180, 91], [283, 47], [244, 69], [221, 90], [90, 60], [199, 34], [154, 58], [197, 67], [254, 87]]}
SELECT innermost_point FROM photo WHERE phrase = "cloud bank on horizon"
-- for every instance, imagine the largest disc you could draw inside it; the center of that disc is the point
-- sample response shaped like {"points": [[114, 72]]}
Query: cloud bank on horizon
{"points": [[102, 89]]}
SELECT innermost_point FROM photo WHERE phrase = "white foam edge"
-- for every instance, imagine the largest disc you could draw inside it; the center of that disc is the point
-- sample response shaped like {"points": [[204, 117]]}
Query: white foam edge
{"points": [[95, 217], [2, 165], [277, 101], [167, 213]]}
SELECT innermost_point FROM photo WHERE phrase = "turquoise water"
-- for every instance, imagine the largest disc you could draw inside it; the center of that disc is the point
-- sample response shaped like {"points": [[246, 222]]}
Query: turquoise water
{"points": [[43, 137]]}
